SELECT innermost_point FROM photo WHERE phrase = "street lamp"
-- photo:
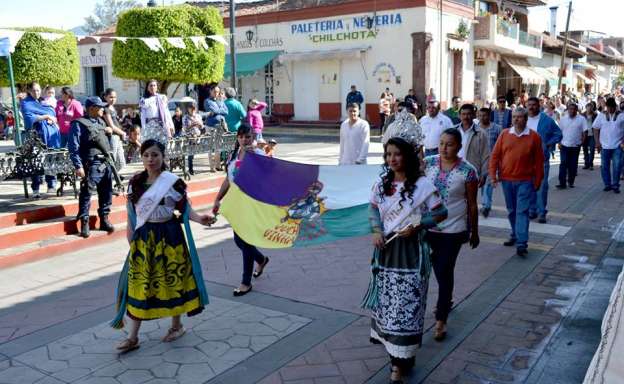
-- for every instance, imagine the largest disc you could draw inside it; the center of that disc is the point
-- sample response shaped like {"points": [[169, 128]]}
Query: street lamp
{"points": [[151, 3], [250, 35], [92, 51]]}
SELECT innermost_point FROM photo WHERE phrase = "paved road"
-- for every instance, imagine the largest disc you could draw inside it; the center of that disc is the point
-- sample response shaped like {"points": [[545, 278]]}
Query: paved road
{"points": [[533, 320]]}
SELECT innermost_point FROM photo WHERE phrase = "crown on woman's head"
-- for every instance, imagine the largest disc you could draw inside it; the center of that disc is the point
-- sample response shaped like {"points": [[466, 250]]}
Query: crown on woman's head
{"points": [[406, 127]]}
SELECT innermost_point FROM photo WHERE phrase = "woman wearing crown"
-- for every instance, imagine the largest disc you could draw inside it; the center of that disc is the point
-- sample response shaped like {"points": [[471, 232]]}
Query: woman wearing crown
{"points": [[403, 205]]}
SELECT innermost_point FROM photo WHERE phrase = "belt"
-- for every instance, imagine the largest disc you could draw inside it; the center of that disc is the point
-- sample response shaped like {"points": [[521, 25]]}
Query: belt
{"points": [[152, 118], [161, 220]]}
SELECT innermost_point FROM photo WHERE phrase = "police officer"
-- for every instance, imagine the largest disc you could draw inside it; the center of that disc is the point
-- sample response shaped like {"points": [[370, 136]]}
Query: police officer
{"points": [[89, 145]]}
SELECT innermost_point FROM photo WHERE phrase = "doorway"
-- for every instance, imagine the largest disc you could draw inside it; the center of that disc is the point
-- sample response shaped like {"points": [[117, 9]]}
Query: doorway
{"points": [[97, 81], [351, 73], [306, 90]]}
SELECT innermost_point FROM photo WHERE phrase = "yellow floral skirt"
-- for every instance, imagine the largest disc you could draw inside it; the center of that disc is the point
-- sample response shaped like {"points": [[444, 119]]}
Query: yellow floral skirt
{"points": [[160, 274]]}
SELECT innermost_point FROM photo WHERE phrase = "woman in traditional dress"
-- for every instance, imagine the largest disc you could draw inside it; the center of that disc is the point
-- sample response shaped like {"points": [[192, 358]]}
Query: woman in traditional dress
{"points": [[458, 183], [156, 121], [251, 254], [162, 275], [119, 135], [403, 205]]}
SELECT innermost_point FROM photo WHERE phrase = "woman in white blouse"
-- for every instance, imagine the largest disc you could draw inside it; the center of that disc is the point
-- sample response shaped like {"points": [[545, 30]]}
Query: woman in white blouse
{"points": [[457, 181], [156, 121]]}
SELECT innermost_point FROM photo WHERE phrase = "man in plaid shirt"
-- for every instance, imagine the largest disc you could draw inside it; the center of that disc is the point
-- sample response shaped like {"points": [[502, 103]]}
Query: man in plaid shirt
{"points": [[493, 131]]}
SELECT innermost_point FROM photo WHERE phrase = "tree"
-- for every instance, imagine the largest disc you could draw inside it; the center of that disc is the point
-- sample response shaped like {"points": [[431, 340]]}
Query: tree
{"points": [[49, 62], [134, 60], [106, 14]]}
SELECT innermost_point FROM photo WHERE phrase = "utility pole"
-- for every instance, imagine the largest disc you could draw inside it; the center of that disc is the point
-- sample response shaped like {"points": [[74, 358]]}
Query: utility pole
{"points": [[565, 48], [233, 42]]}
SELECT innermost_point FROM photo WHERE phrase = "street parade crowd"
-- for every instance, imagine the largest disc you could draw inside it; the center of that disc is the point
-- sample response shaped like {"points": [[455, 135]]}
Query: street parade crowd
{"points": [[423, 208]]}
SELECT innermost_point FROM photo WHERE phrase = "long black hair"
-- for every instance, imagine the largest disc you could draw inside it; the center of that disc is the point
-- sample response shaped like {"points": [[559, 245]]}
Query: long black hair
{"points": [[411, 164], [137, 183], [244, 129], [146, 93]]}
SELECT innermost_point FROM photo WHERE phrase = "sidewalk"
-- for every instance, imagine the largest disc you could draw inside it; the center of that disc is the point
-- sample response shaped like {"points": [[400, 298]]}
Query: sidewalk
{"points": [[513, 318]]}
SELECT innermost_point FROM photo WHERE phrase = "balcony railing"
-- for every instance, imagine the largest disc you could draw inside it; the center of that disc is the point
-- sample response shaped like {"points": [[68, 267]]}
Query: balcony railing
{"points": [[507, 29], [493, 24], [530, 40]]}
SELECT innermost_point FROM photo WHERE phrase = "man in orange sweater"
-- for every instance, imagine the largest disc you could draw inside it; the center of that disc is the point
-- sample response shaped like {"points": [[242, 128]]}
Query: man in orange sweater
{"points": [[517, 161]]}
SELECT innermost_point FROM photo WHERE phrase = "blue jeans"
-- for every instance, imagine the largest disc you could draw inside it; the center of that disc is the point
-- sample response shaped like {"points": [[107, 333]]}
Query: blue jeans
{"points": [[539, 198], [589, 149], [37, 180], [518, 199], [190, 163], [611, 172], [250, 254], [486, 194], [431, 152], [99, 179]]}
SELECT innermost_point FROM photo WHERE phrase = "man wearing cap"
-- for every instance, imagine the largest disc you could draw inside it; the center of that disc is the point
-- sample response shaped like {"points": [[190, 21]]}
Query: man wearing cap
{"points": [[88, 146]]}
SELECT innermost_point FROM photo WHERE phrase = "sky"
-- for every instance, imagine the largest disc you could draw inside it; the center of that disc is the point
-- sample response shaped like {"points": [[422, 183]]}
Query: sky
{"points": [[600, 15]]}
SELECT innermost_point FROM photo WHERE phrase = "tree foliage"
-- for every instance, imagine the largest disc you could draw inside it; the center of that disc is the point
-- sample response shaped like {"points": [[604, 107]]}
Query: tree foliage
{"points": [[106, 13], [134, 60], [49, 62]]}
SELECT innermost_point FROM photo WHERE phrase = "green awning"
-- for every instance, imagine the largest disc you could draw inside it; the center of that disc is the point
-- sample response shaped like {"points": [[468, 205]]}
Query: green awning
{"points": [[249, 63]]}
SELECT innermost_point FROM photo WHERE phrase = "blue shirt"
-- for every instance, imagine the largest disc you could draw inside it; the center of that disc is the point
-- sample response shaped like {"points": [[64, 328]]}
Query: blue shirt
{"points": [[218, 109], [493, 131]]}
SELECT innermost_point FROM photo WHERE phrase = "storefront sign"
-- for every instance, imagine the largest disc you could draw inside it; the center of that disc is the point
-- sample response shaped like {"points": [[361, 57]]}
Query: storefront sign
{"points": [[93, 61], [354, 28], [274, 42]]}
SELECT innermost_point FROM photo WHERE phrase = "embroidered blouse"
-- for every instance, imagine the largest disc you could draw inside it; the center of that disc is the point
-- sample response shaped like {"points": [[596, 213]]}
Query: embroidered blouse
{"points": [[452, 187]]}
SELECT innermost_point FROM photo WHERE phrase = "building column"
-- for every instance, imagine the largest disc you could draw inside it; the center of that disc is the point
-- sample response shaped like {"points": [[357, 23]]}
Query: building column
{"points": [[421, 60]]}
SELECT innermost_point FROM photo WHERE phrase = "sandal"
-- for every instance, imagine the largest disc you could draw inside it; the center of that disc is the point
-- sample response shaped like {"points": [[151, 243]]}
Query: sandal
{"points": [[174, 334], [128, 345], [257, 274]]}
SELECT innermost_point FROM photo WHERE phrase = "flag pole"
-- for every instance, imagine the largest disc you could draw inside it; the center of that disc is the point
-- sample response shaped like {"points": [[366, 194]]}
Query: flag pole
{"points": [[16, 114]]}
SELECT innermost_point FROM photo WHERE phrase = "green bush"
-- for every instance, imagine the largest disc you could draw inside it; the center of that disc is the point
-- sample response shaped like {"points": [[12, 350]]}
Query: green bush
{"points": [[134, 60], [49, 62]]}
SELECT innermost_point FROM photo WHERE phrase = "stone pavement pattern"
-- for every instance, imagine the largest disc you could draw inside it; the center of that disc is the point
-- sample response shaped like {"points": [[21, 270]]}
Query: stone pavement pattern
{"points": [[513, 319]]}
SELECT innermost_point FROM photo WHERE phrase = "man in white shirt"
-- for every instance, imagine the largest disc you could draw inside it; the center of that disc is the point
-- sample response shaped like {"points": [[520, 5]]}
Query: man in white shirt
{"points": [[432, 127], [572, 127], [609, 136], [354, 138]]}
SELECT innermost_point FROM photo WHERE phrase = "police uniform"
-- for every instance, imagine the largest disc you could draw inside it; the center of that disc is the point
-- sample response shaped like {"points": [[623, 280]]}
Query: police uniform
{"points": [[87, 141]]}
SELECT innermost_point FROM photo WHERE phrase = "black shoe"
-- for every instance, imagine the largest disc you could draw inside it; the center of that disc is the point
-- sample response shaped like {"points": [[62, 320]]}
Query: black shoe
{"points": [[105, 225], [591, 168], [485, 212], [258, 274], [607, 189], [532, 216], [586, 167], [559, 186], [522, 252], [616, 190], [84, 227], [510, 243], [542, 219], [571, 185], [191, 172], [237, 292]]}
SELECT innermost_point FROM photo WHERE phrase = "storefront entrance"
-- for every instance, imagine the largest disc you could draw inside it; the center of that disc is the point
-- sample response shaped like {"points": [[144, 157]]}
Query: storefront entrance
{"points": [[351, 73]]}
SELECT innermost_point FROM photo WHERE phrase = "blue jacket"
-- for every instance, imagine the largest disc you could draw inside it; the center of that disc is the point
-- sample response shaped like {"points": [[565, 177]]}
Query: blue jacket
{"points": [[80, 148], [355, 97], [550, 133], [506, 123], [219, 110]]}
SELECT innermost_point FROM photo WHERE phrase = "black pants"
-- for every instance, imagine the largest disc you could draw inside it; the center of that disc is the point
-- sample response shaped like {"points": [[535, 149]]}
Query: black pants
{"points": [[589, 150], [569, 164], [382, 120], [444, 250], [250, 254], [99, 179]]}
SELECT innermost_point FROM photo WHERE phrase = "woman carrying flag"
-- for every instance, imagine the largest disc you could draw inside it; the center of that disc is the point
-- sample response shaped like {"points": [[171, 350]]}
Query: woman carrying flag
{"points": [[251, 254], [403, 205], [162, 275]]}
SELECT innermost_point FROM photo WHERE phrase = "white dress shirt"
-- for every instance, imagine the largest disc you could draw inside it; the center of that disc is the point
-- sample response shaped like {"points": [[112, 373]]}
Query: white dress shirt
{"points": [[432, 128], [532, 122], [611, 129], [354, 140], [572, 130]]}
